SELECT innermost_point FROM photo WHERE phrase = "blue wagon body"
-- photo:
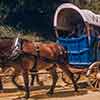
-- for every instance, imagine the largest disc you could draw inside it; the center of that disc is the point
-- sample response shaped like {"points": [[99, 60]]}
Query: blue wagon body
{"points": [[75, 30], [80, 53], [78, 31]]}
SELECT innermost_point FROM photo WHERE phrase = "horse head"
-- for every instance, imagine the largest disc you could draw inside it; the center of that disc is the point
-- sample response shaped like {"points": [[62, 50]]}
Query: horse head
{"points": [[5, 46], [9, 47]]}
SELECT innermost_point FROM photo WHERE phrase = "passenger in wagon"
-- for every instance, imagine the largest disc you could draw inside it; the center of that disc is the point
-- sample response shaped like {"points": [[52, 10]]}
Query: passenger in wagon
{"points": [[74, 32]]}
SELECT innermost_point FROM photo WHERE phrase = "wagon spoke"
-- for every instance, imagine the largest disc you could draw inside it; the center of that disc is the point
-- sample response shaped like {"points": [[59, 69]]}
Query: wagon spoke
{"points": [[93, 82], [96, 84], [94, 77], [99, 85]]}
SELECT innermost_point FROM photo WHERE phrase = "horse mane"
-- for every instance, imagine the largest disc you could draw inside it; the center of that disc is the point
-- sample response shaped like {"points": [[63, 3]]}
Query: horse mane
{"points": [[26, 40]]}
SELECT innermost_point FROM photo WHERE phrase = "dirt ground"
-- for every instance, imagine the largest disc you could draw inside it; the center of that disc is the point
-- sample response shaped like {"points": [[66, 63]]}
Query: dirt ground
{"points": [[62, 92]]}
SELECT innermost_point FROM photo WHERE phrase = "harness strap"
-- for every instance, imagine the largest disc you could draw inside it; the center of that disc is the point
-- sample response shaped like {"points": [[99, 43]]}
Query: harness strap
{"points": [[34, 69], [36, 57], [16, 47], [38, 52]]}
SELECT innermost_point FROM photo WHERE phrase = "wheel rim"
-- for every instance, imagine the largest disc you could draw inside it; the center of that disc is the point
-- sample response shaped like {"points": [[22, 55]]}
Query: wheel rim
{"points": [[94, 78]]}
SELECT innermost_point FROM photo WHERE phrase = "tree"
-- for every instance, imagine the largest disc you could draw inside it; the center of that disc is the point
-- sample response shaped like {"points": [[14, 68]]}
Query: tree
{"points": [[27, 14]]}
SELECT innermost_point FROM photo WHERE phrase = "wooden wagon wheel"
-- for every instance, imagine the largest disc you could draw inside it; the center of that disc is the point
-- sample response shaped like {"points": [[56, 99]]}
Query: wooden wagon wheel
{"points": [[94, 75]]}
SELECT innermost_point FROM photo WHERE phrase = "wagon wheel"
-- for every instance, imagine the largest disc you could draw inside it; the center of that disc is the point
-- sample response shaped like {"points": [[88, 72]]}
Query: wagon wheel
{"points": [[94, 76]]}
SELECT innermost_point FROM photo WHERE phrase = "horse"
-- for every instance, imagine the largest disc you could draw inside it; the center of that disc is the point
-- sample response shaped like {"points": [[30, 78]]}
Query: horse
{"points": [[13, 53], [19, 53], [28, 56], [52, 55]]}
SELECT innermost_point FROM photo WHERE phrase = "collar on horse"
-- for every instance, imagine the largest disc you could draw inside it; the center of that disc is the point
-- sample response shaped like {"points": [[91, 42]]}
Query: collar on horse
{"points": [[59, 60]]}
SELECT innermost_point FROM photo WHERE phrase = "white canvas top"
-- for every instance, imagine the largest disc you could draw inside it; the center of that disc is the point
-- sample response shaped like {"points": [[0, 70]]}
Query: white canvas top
{"points": [[91, 17], [87, 15]]}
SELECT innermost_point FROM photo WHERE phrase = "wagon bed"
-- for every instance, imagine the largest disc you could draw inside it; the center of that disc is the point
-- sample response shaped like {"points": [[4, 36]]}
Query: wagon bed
{"points": [[81, 47]]}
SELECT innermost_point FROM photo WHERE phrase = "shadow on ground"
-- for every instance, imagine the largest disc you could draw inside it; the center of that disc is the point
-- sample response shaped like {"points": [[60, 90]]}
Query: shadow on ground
{"points": [[59, 94], [39, 92]]}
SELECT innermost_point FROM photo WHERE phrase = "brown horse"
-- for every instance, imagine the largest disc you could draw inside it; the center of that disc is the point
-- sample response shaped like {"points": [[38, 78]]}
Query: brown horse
{"points": [[34, 56], [17, 53], [12, 54], [20, 54], [49, 55]]}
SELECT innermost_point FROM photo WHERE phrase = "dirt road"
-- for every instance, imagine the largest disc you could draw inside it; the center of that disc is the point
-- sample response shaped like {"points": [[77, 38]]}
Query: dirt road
{"points": [[60, 94], [39, 93]]}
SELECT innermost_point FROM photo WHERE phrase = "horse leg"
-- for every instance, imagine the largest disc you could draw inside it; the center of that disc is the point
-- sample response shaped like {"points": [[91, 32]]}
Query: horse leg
{"points": [[77, 77], [37, 79], [74, 81], [70, 74], [26, 83], [54, 78], [34, 70], [32, 78], [1, 85], [15, 83]]}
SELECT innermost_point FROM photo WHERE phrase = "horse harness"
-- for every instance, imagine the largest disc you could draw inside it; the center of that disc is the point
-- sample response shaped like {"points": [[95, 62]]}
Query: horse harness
{"points": [[12, 54], [59, 59]]}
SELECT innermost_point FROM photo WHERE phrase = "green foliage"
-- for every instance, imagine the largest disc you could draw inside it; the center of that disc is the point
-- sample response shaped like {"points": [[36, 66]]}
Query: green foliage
{"points": [[31, 14], [6, 31], [93, 6]]}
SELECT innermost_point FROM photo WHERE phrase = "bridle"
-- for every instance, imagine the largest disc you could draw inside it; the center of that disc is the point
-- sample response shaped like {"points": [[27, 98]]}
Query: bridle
{"points": [[13, 52], [16, 47]]}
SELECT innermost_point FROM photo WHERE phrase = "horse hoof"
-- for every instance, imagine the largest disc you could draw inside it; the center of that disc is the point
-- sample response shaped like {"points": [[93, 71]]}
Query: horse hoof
{"points": [[1, 88], [1, 91], [76, 93], [24, 98], [30, 88], [20, 87], [20, 98], [50, 93], [41, 83]]}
